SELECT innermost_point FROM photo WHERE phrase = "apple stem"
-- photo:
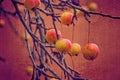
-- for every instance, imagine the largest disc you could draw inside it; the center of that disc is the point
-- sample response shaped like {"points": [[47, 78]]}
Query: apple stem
{"points": [[88, 32], [61, 27], [73, 33]]}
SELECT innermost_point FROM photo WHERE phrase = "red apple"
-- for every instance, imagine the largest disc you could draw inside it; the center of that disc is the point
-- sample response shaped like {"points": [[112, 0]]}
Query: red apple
{"points": [[66, 18], [63, 45], [75, 49], [51, 36], [29, 4], [90, 51]]}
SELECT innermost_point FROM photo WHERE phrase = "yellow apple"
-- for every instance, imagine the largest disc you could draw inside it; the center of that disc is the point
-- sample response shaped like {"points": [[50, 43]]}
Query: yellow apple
{"points": [[90, 51], [93, 6], [63, 45], [75, 49], [51, 36], [66, 18]]}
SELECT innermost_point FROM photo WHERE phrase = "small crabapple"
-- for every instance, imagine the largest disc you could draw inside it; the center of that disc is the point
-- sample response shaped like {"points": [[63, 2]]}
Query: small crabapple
{"points": [[51, 36], [90, 51], [75, 49], [66, 18], [93, 6], [63, 45]]}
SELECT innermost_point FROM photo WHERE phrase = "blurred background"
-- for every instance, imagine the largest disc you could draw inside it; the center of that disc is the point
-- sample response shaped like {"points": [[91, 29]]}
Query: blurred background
{"points": [[105, 32]]}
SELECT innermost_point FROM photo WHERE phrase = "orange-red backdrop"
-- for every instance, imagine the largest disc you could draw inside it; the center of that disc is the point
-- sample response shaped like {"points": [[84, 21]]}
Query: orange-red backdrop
{"points": [[104, 32]]}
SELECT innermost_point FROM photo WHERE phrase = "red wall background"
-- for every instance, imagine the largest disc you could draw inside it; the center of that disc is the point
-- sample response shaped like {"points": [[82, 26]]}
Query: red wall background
{"points": [[104, 31]]}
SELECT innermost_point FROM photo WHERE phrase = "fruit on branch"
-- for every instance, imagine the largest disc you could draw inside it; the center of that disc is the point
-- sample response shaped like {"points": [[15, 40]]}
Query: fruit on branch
{"points": [[75, 49], [90, 51], [63, 45], [29, 70], [29, 4], [93, 6], [76, 2], [78, 12], [66, 18], [51, 36]]}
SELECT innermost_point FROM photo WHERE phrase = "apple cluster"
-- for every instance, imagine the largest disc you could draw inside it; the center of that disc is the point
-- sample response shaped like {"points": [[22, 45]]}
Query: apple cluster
{"points": [[67, 17], [53, 37], [90, 50], [62, 45]]}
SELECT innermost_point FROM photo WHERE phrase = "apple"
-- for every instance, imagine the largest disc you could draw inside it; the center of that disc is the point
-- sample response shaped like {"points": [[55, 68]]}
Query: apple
{"points": [[93, 6], [51, 36], [66, 18], [29, 70], [29, 4], [63, 45], [90, 51], [75, 49]]}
